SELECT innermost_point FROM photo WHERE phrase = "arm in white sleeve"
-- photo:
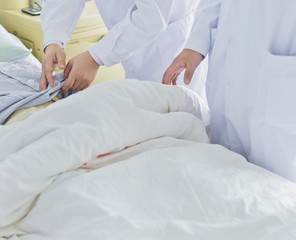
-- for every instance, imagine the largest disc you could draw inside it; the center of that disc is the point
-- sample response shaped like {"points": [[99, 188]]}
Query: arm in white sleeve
{"points": [[59, 18], [52, 42], [207, 16], [144, 21]]}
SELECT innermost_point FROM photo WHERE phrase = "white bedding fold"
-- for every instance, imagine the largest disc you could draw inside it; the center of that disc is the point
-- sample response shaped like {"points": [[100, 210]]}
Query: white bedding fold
{"points": [[102, 119], [173, 185], [166, 189]]}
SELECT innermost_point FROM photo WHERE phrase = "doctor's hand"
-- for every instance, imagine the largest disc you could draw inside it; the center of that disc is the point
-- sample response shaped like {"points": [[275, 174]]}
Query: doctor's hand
{"points": [[80, 72], [54, 56], [188, 60]]}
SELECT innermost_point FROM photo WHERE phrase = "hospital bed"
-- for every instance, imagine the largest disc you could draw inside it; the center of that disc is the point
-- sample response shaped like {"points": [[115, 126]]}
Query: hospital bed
{"points": [[131, 160], [89, 29], [18, 48]]}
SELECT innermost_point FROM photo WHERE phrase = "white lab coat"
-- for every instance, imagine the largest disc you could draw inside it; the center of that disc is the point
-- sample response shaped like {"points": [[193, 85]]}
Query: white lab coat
{"points": [[252, 78], [145, 35]]}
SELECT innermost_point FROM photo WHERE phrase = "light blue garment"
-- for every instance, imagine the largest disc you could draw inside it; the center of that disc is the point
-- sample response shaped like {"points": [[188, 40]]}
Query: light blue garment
{"points": [[19, 87]]}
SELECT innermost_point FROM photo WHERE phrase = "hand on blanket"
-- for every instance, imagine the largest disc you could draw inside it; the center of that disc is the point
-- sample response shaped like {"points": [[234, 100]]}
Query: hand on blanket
{"points": [[80, 72], [188, 60], [54, 56]]}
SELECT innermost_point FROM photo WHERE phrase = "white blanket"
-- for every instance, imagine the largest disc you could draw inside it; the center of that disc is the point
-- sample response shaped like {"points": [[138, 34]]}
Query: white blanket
{"points": [[172, 185]]}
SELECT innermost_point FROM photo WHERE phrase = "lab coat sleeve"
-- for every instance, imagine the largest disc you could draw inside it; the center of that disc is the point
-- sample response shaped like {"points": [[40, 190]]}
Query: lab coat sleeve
{"points": [[59, 18], [144, 21], [207, 16]]}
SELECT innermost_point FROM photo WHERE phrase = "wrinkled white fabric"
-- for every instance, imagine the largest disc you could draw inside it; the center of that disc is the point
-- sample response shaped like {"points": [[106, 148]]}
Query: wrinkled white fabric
{"points": [[166, 189], [100, 120], [173, 185]]}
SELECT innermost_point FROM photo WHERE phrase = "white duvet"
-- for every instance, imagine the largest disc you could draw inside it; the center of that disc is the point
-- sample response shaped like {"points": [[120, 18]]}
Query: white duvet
{"points": [[130, 160]]}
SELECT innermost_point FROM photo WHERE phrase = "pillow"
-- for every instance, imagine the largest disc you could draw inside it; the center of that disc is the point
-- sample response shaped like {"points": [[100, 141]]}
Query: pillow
{"points": [[10, 49], [31, 58]]}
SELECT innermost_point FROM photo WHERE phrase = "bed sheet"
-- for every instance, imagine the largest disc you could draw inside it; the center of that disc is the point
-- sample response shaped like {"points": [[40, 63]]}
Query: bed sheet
{"points": [[131, 160], [23, 114]]}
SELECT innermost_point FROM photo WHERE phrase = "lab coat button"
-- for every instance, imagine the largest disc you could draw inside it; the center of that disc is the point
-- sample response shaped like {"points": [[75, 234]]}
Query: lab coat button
{"points": [[31, 82], [231, 42]]}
